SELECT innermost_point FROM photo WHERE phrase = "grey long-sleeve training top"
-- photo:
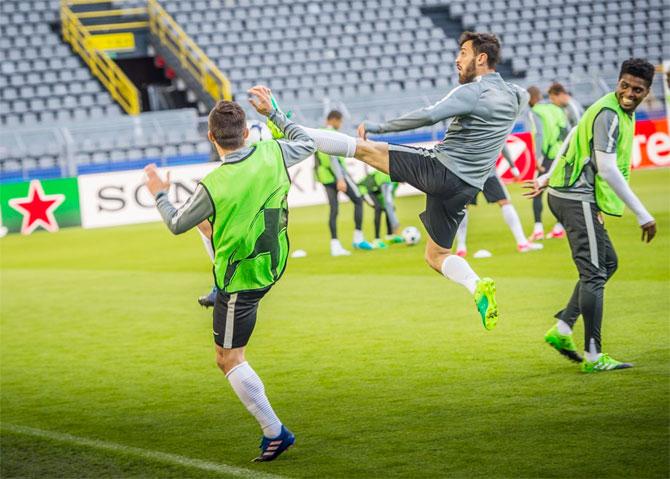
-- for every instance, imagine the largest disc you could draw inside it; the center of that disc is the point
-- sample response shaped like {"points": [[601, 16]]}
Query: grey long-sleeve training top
{"points": [[297, 147], [483, 113]]}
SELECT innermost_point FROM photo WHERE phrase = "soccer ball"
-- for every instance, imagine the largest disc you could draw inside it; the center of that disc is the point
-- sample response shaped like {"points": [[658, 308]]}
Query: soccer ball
{"points": [[411, 235], [258, 131]]}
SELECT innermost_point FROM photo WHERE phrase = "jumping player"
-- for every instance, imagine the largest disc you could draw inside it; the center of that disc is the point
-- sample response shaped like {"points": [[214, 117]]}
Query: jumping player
{"points": [[482, 112]]}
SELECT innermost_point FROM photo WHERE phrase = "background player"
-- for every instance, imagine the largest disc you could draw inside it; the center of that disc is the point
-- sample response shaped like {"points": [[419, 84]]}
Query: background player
{"points": [[250, 249], [591, 178], [549, 127], [495, 191], [380, 190], [482, 112], [560, 97], [332, 173]]}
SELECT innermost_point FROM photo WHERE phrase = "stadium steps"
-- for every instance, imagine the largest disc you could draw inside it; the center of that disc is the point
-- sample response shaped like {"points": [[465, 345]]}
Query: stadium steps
{"points": [[452, 26]]}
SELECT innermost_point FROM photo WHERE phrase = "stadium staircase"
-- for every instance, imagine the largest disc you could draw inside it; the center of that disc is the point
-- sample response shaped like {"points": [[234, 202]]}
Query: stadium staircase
{"points": [[101, 33]]}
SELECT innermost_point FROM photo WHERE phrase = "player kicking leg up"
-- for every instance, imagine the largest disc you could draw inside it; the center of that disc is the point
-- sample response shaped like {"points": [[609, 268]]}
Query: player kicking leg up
{"points": [[483, 110], [244, 201]]}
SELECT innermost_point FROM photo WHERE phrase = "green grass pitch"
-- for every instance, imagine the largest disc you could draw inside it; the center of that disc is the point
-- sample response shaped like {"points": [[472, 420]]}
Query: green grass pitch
{"points": [[380, 366]]}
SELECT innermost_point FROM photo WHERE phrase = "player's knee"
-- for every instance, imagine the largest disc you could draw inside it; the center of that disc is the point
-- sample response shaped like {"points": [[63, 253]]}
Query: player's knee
{"points": [[612, 266], [227, 359], [366, 149]]}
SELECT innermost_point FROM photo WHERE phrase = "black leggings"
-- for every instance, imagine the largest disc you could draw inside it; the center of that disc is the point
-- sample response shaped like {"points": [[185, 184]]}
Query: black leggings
{"points": [[537, 201], [355, 197]]}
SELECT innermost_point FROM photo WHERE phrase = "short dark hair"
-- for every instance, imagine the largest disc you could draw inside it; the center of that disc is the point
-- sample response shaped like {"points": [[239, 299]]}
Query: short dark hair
{"points": [[638, 67], [556, 89], [227, 122], [483, 43], [334, 115]]}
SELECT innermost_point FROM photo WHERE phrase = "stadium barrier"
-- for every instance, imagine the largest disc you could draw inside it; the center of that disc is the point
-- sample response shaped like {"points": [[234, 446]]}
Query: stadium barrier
{"points": [[120, 198], [99, 62], [182, 54]]}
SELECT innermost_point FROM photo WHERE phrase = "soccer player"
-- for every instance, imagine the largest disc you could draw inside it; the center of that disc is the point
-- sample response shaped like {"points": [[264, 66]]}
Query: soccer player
{"points": [[495, 191], [332, 173], [482, 112], [244, 200], [590, 177], [380, 190], [549, 126], [257, 132], [560, 97]]}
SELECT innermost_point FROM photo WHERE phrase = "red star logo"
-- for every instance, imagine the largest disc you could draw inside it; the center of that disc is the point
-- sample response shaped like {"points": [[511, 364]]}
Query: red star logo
{"points": [[37, 209]]}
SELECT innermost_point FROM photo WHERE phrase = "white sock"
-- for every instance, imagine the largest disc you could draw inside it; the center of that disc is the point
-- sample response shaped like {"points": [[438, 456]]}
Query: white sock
{"points": [[539, 228], [208, 245], [558, 228], [563, 327], [462, 233], [592, 354], [457, 269], [332, 142], [512, 219], [358, 236], [249, 388]]}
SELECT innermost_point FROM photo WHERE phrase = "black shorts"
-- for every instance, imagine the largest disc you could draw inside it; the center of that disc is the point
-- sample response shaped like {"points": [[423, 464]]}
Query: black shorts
{"points": [[446, 194], [494, 190], [235, 317]]}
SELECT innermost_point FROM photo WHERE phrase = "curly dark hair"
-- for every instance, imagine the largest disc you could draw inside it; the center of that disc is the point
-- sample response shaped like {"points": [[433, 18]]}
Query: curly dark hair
{"points": [[483, 43], [638, 67]]}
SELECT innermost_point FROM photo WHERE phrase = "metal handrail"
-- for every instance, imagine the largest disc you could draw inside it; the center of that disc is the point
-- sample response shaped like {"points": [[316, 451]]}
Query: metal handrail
{"points": [[190, 56], [99, 62]]}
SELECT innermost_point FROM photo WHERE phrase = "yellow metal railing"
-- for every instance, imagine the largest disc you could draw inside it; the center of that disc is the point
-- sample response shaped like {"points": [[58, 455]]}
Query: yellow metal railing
{"points": [[102, 66], [190, 56]]}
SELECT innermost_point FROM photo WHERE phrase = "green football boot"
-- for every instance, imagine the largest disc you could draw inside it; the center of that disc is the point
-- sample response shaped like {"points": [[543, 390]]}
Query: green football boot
{"points": [[603, 364], [562, 343], [395, 239], [379, 244], [485, 300], [274, 130]]}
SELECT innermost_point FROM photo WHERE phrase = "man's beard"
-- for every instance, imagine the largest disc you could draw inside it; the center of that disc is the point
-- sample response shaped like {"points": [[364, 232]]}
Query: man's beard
{"points": [[468, 74]]}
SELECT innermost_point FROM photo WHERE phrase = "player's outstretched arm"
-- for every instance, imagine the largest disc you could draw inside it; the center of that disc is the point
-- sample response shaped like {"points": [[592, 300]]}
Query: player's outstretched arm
{"points": [[300, 145], [460, 101], [608, 171], [196, 209]]}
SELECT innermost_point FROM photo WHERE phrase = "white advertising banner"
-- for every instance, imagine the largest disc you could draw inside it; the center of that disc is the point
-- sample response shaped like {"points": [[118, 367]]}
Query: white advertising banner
{"points": [[111, 199]]}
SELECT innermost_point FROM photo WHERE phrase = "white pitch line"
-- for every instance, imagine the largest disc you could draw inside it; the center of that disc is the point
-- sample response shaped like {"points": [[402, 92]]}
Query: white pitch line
{"points": [[143, 453]]}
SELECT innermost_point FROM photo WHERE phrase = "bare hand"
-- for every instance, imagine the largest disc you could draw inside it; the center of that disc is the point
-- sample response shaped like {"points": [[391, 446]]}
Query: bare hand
{"points": [[154, 183], [361, 131], [262, 101], [534, 187], [648, 231], [341, 186], [515, 171]]}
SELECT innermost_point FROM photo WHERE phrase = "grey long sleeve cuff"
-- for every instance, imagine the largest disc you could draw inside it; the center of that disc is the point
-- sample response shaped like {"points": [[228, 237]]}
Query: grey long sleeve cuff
{"points": [[196, 210], [298, 145]]}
